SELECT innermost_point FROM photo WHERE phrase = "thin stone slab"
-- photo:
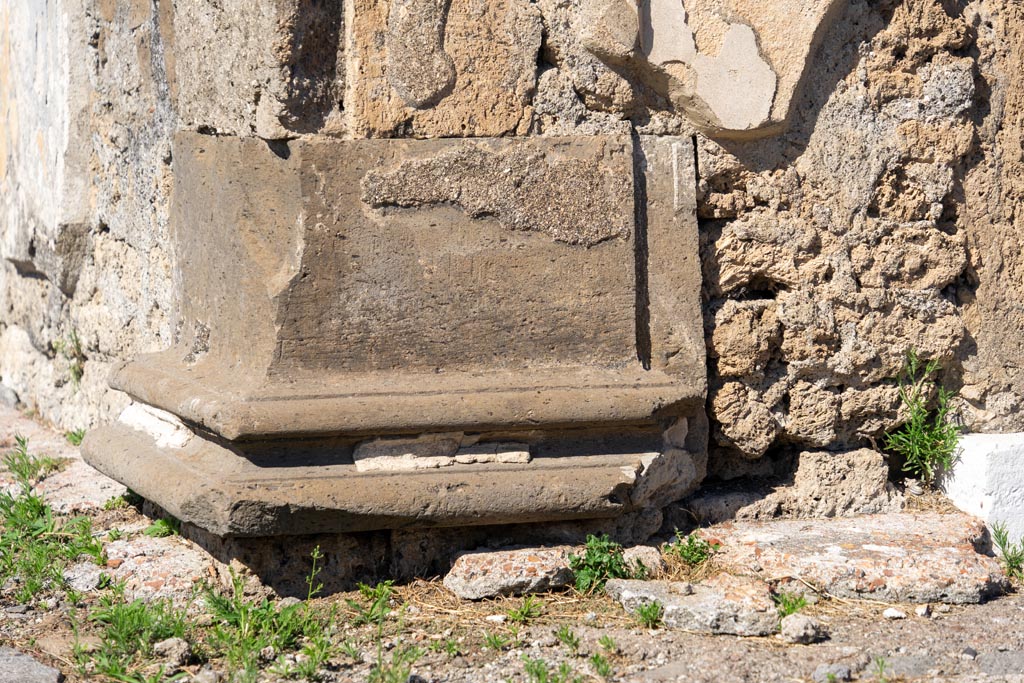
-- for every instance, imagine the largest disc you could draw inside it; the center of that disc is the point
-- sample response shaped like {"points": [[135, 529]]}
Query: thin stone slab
{"points": [[16, 667], [229, 491], [724, 604], [917, 558]]}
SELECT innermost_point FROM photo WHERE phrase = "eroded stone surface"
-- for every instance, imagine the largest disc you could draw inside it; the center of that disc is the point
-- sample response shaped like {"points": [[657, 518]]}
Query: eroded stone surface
{"points": [[270, 69], [700, 55], [472, 61], [926, 557], [825, 484], [489, 574], [724, 604]]}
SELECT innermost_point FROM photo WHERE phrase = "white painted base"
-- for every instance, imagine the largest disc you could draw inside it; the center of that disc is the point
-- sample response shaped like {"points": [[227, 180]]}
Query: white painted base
{"points": [[988, 480]]}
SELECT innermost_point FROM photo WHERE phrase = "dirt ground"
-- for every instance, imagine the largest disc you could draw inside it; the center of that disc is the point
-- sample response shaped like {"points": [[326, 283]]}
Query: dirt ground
{"points": [[462, 641]]}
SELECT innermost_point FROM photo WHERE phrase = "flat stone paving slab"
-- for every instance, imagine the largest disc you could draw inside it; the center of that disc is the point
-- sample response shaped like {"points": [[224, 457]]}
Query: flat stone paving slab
{"points": [[917, 558], [16, 667]]}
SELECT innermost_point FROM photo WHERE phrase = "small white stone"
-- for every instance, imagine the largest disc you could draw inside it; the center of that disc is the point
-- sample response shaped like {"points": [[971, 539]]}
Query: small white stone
{"points": [[496, 618], [893, 613], [923, 611]]}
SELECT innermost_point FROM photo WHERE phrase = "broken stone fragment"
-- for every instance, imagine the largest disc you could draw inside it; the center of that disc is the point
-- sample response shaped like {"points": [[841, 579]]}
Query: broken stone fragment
{"points": [[725, 604], [700, 54], [488, 574], [802, 629]]}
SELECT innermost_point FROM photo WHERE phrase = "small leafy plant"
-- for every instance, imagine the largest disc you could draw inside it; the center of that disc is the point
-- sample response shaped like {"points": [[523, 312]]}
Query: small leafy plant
{"points": [[927, 441], [495, 641], [75, 437], [602, 559], [608, 644], [692, 549], [398, 668], [1010, 554], [163, 527], [602, 667], [537, 671], [376, 605], [789, 603], [35, 544], [71, 349], [649, 614], [528, 611], [566, 636]]}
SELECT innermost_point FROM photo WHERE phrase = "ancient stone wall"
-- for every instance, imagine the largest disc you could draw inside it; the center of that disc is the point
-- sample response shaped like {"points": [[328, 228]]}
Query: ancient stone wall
{"points": [[883, 214]]}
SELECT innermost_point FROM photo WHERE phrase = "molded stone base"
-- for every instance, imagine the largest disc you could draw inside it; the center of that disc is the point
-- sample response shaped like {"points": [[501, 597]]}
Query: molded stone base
{"points": [[217, 486]]}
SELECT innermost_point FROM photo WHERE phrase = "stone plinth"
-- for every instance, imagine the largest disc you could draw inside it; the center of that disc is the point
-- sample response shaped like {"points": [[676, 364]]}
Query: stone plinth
{"points": [[506, 307]]}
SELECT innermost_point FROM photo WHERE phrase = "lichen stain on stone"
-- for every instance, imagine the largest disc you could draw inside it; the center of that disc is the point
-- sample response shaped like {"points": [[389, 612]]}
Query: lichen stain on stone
{"points": [[571, 200]]}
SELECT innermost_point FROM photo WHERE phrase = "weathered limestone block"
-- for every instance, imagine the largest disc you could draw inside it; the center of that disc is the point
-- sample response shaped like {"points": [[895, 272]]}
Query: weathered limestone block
{"points": [[496, 320], [271, 68], [700, 54], [442, 68]]}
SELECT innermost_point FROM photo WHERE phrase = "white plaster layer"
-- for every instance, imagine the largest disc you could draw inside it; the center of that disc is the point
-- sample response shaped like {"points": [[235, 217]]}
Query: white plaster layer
{"points": [[165, 428], [988, 479]]}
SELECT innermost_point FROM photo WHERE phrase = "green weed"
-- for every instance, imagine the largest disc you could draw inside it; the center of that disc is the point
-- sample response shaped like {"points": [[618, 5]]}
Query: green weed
{"points": [[26, 468], [1010, 554], [377, 605], [35, 545], [449, 646], [927, 441], [537, 671], [528, 611], [75, 437], [608, 644], [602, 667], [163, 527], [789, 603], [495, 641], [128, 630], [71, 349], [880, 670], [566, 636], [602, 559], [649, 614], [691, 549], [243, 628], [398, 667]]}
